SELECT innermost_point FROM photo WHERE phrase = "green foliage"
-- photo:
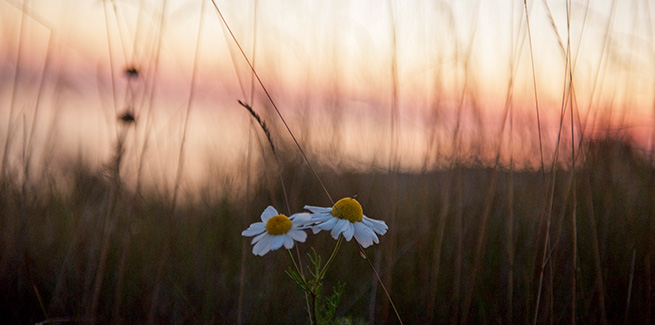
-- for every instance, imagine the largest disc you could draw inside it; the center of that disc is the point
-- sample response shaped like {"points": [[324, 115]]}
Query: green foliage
{"points": [[322, 307]]}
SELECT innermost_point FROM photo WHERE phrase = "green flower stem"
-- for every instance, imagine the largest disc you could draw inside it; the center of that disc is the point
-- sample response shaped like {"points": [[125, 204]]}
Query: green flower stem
{"points": [[331, 259], [311, 308], [306, 294], [295, 265]]}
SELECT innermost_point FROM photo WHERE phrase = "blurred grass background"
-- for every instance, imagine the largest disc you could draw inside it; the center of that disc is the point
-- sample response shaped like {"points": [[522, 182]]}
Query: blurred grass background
{"points": [[51, 244], [494, 222]]}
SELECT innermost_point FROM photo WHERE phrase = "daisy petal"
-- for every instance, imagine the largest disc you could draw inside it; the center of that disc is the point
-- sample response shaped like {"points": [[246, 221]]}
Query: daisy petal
{"points": [[327, 225], [259, 237], [288, 242], [315, 210], [297, 235], [364, 235], [339, 228], [254, 229], [321, 217], [301, 219], [349, 231], [268, 213], [263, 246], [277, 242], [376, 225]]}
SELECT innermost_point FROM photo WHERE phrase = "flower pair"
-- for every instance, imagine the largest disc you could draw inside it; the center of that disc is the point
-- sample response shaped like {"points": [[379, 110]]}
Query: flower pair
{"points": [[345, 218]]}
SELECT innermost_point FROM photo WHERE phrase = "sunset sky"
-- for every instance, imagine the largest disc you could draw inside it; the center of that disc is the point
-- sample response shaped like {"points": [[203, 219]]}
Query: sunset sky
{"points": [[332, 67]]}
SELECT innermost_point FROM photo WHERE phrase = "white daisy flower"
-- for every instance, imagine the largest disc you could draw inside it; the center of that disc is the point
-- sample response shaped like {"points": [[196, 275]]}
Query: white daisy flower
{"points": [[276, 230], [347, 218]]}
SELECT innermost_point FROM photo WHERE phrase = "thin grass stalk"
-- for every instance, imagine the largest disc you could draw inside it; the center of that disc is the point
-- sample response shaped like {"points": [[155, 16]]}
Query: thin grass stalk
{"points": [[394, 161], [632, 274], [456, 165], [573, 167], [178, 178], [119, 31], [566, 97], [488, 203], [386, 292], [601, 64], [28, 150], [546, 246], [14, 90], [270, 99], [598, 272], [374, 288], [461, 313], [571, 93], [40, 300], [39, 95], [510, 214], [551, 195], [536, 93], [108, 223], [111, 66], [478, 252], [459, 238], [573, 65], [151, 95], [509, 247], [136, 41], [436, 257], [123, 226], [651, 34], [244, 245], [553, 179], [194, 75], [394, 111], [147, 119], [509, 317], [126, 232]]}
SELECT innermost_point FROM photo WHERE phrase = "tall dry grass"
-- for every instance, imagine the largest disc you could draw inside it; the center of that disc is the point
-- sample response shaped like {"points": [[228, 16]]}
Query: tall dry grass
{"points": [[472, 239]]}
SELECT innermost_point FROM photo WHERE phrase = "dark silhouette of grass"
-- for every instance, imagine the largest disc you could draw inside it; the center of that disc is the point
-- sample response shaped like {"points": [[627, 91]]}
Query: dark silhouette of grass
{"points": [[47, 261]]}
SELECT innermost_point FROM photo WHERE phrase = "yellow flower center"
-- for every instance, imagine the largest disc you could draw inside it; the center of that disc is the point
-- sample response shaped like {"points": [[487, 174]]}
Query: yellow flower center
{"points": [[349, 209], [278, 225]]}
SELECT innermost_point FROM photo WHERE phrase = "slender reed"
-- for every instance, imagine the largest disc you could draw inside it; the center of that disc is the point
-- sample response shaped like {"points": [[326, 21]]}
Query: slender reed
{"points": [[178, 177], [393, 169], [536, 93], [109, 222], [270, 99], [244, 250], [574, 230], [543, 168], [440, 227], [386, 292], [19, 55], [598, 272], [632, 276]]}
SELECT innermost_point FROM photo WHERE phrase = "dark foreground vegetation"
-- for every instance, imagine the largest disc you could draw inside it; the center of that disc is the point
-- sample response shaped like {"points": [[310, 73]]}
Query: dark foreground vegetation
{"points": [[465, 244]]}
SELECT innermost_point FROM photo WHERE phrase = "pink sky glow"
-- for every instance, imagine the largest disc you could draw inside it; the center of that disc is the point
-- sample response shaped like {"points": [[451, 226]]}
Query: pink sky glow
{"points": [[332, 68]]}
